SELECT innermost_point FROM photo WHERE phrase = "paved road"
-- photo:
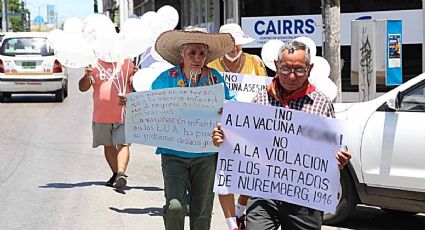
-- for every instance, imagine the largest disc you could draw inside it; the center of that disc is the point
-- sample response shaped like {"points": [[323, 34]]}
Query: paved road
{"points": [[51, 178]]}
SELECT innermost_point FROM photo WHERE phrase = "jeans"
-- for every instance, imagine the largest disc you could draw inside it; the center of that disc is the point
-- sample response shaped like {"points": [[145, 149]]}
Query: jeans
{"points": [[198, 173]]}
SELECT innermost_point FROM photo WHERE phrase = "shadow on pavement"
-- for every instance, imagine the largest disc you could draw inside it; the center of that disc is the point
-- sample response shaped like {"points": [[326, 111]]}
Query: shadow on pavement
{"points": [[72, 185], [146, 188], [148, 211]]}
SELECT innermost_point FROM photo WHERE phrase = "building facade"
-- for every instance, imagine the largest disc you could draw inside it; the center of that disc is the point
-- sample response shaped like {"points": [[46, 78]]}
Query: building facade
{"points": [[213, 13]]}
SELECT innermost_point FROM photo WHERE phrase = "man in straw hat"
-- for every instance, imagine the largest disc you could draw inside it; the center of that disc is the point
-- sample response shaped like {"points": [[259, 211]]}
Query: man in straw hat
{"points": [[237, 61], [189, 51], [290, 88]]}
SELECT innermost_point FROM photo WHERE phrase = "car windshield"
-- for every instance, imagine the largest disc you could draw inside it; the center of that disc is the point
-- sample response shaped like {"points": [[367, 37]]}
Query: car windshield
{"points": [[26, 46]]}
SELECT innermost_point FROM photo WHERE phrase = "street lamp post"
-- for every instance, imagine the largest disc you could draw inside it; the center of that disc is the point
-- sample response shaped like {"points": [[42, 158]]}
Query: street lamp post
{"points": [[4, 16]]}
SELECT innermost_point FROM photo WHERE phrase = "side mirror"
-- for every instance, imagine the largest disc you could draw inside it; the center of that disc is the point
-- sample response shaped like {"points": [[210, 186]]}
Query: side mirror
{"points": [[394, 103]]}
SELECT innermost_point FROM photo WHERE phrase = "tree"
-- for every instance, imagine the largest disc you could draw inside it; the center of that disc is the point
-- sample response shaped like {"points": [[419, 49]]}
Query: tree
{"points": [[15, 10], [331, 14]]}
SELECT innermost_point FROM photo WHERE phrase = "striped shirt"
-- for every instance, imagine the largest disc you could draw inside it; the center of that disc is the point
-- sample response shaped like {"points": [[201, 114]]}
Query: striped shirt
{"points": [[315, 102]]}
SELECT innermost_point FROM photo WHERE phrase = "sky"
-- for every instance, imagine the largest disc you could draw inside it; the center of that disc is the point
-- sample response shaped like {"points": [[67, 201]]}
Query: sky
{"points": [[65, 8]]}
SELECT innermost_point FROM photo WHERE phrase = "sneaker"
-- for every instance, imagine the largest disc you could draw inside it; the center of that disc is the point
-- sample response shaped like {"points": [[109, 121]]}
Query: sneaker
{"points": [[111, 180], [120, 181], [240, 221]]}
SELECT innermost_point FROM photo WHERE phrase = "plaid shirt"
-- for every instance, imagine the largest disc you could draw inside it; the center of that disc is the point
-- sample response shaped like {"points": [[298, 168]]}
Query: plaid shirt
{"points": [[315, 102]]}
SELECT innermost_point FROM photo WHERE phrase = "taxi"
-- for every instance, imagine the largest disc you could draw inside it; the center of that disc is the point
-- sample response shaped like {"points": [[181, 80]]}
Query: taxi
{"points": [[28, 65]]}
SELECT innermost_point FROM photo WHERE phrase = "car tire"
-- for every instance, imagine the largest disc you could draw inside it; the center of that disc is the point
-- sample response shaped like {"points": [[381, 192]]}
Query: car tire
{"points": [[4, 96], [348, 200], [60, 95], [66, 89]]}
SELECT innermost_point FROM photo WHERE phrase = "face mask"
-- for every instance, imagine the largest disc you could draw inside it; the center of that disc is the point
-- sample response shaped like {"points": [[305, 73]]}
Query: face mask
{"points": [[233, 59]]}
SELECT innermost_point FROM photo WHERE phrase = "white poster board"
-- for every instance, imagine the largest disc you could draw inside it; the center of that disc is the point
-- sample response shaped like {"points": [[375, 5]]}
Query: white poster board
{"points": [[177, 118], [245, 86], [280, 154]]}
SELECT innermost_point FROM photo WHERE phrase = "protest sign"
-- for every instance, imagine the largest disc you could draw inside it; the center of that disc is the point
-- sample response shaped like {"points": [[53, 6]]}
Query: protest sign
{"points": [[279, 153], [245, 86], [177, 118]]}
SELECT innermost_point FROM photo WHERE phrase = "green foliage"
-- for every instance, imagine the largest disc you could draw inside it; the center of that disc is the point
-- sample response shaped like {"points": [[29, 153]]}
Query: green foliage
{"points": [[12, 6], [16, 24]]}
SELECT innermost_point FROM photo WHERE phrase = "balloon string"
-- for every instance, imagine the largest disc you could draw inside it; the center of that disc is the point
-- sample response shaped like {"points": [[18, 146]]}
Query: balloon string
{"points": [[127, 75], [108, 75], [115, 74]]}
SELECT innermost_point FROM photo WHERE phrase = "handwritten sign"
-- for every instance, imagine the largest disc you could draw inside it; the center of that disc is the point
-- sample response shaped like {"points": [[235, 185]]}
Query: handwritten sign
{"points": [[280, 154], [245, 86], [177, 118]]}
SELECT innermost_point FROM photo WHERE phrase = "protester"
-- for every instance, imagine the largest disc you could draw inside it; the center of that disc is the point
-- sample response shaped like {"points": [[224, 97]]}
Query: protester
{"points": [[237, 61], [189, 51], [290, 89], [108, 114]]}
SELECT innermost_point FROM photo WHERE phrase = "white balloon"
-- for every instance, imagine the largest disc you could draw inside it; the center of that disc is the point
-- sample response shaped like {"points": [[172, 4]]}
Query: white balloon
{"points": [[156, 23], [321, 70], [170, 15], [73, 51], [54, 36], [161, 66], [269, 53], [310, 43], [328, 87], [134, 38], [147, 15], [99, 32], [143, 79], [73, 25]]}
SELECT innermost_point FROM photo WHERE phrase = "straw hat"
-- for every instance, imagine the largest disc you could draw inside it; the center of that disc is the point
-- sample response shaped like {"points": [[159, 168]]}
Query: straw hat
{"points": [[168, 43], [236, 31]]}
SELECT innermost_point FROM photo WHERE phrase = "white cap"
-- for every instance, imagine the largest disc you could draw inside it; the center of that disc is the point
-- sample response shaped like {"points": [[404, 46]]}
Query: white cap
{"points": [[236, 31]]}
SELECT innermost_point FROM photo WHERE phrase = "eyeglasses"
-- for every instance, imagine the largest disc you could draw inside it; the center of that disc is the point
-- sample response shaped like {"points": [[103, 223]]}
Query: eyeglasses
{"points": [[299, 72]]}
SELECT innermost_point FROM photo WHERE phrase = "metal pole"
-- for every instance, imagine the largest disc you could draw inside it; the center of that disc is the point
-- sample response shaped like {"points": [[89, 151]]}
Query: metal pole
{"points": [[423, 36], [130, 8], [123, 11], [4, 17]]}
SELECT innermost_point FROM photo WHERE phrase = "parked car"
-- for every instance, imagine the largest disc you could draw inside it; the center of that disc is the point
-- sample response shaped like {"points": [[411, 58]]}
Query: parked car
{"points": [[28, 65], [386, 137]]}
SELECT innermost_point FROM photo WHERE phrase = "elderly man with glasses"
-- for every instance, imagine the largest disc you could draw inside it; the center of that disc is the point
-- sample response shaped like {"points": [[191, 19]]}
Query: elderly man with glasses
{"points": [[290, 88]]}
